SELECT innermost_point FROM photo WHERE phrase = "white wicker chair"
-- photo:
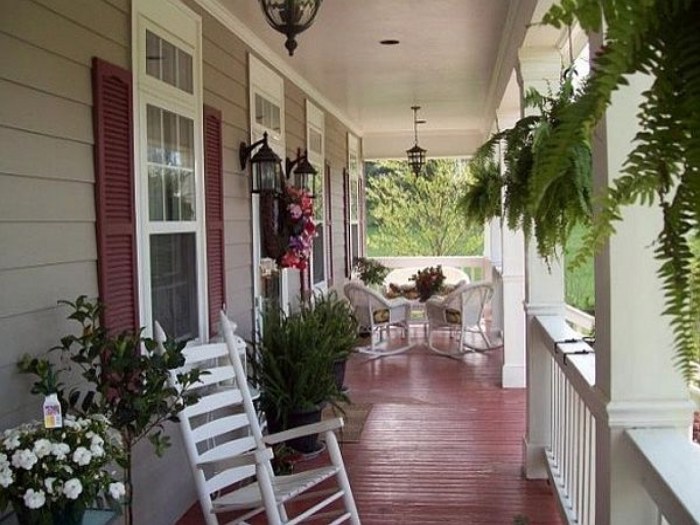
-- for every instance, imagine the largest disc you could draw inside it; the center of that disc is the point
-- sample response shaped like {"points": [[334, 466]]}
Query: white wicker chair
{"points": [[377, 314], [462, 310], [230, 457]]}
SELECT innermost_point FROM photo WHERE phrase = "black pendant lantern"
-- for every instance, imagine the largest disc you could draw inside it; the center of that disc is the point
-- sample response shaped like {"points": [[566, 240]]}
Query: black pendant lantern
{"points": [[290, 17], [416, 155], [266, 165]]}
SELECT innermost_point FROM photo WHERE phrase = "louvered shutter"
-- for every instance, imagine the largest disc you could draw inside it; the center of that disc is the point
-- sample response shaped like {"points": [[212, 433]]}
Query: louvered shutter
{"points": [[328, 195], [214, 195], [346, 221], [114, 196]]}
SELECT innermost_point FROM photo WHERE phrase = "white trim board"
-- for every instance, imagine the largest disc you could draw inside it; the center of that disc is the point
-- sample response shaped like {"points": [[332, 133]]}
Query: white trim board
{"points": [[238, 28]]}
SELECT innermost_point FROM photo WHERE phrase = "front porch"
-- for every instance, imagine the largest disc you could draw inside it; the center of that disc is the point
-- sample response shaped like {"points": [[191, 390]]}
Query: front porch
{"points": [[442, 443]]}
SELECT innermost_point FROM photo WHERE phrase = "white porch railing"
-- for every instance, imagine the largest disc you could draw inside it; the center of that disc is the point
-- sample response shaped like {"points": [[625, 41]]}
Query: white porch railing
{"points": [[668, 460], [478, 268]]}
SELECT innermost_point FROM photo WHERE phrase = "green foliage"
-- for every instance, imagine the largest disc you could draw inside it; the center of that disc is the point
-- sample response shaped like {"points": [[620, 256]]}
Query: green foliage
{"points": [[293, 364], [370, 271], [558, 207], [126, 380], [419, 215], [428, 281], [659, 38], [579, 280]]}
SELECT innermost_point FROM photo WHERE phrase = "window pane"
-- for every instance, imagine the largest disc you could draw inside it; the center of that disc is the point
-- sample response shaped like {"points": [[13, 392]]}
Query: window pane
{"points": [[153, 55], [169, 63], [171, 185], [319, 199], [155, 193], [155, 135], [354, 192], [174, 284], [355, 240], [315, 141], [184, 71], [318, 256]]}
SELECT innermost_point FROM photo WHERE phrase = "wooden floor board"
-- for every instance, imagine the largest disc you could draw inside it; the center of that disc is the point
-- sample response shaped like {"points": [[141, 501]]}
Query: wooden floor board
{"points": [[442, 444]]}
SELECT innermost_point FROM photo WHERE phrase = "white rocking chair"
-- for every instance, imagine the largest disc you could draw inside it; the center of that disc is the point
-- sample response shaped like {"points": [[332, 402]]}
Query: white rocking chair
{"points": [[230, 457], [462, 309]]}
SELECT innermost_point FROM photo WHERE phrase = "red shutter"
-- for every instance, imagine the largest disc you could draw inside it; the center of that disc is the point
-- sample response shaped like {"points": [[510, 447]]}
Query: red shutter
{"points": [[114, 196], [328, 196], [214, 195], [346, 221]]}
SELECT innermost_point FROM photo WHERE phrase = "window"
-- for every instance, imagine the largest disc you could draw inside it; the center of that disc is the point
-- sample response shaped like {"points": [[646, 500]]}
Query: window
{"points": [[355, 212], [169, 173], [315, 129]]}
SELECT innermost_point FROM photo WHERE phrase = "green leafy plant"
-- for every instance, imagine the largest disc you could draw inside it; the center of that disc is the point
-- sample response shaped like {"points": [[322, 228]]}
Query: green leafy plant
{"points": [[564, 203], [293, 363], [659, 38], [370, 271], [126, 381]]}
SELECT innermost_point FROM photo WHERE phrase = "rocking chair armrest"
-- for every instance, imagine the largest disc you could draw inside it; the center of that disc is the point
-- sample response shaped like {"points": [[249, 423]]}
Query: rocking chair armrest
{"points": [[241, 460], [304, 430]]}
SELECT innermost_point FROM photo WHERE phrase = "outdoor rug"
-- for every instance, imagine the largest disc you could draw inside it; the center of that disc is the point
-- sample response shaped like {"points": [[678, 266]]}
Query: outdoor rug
{"points": [[355, 417]]}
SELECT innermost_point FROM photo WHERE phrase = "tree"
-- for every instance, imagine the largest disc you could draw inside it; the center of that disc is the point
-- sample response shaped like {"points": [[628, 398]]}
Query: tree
{"points": [[411, 215]]}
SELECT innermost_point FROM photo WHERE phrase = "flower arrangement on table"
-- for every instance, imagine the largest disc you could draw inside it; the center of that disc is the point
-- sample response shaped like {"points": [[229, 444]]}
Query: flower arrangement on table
{"points": [[298, 227], [429, 281], [58, 472]]}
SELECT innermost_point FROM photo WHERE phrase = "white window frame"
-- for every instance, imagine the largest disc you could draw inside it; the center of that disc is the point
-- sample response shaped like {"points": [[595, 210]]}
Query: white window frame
{"points": [[265, 82], [316, 121], [182, 27], [354, 184]]}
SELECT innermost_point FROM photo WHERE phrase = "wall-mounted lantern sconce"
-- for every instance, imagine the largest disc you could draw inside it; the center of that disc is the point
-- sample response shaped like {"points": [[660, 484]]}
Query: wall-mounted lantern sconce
{"points": [[267, 168], [304, 174], [266, 165]]}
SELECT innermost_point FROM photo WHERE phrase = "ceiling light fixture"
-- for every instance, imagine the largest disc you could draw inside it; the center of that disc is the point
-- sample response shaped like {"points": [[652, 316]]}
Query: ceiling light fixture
{"points": [[290, 17], [416, 155], [389, 42]]}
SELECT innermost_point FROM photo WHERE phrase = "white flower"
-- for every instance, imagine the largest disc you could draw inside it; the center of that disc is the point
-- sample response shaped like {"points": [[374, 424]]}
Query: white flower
{"points": [[6, 478], [117, 490], [11, 442], [48, 483], [97, 450], [34, 499], [42, 448], [82, 456], [24, 458], [60, 450], [4, 462], [72, 488], [96, 440]]}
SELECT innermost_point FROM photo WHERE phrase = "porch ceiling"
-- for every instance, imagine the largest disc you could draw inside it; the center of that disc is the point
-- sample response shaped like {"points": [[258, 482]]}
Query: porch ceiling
{"points": [[454, 60]]}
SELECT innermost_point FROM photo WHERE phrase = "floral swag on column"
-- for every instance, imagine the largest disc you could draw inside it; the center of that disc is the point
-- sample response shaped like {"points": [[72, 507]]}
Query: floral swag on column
{"points": [[288, 227]]}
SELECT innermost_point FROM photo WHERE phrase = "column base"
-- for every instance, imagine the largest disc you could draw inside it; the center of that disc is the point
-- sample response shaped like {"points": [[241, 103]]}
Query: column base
{"points": [[513, 376], [534, 461]]}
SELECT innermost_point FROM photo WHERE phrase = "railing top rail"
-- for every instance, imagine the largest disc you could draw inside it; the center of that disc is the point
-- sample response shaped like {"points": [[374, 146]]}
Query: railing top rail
{"points": [[422, 261], [574, 356], [670, 465]]}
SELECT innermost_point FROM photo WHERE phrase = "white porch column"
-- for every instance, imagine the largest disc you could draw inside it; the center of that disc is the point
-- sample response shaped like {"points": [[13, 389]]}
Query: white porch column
{"points": [[540, 68], [634, 371]]}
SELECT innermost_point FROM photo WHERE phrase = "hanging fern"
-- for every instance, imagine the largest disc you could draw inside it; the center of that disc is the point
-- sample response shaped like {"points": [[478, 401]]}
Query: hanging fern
{"points": [[660, 38], [564, 203]]}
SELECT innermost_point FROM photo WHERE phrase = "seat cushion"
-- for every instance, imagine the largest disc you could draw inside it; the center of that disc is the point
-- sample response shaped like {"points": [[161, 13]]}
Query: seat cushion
{"points": [[380, 316], [453, 316]]}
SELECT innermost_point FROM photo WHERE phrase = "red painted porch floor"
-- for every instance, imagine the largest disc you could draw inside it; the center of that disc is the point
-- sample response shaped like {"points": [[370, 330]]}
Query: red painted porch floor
{"points": [[442, 444]]}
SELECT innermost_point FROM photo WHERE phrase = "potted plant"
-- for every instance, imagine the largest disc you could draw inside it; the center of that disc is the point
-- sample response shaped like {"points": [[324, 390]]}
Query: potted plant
{"points": [[429, 281], [293, 364], [370, 271], [51, 475], [126, 382], [338, 320]]}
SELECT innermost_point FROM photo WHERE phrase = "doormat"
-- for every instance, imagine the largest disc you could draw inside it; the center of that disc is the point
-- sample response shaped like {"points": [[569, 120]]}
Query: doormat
{"points": [[354, 417]]}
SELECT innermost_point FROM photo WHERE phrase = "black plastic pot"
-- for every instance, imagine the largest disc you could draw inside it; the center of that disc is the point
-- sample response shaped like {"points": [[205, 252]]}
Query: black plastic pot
{"points": [[306, 444]]}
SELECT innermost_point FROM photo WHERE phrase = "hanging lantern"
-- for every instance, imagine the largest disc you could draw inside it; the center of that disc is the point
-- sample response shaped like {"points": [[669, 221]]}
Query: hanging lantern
{"points": [[290, 17], [416, 155]]}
